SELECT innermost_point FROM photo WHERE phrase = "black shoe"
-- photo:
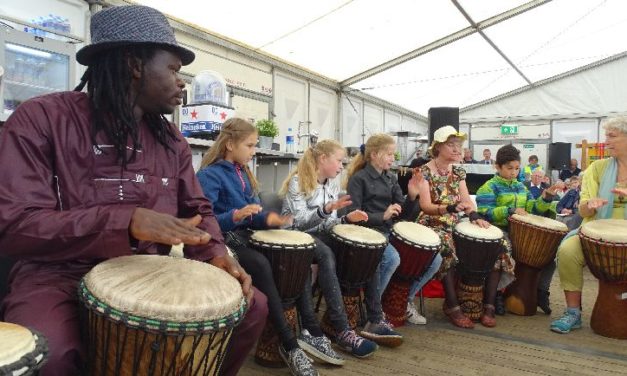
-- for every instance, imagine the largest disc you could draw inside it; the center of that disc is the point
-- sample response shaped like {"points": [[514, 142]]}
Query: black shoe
{"points": [[499, 304], [543, 301]]}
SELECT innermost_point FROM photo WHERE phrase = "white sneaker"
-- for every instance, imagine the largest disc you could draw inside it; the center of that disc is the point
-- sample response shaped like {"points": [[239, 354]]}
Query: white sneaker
{"points": [[413, 316]]}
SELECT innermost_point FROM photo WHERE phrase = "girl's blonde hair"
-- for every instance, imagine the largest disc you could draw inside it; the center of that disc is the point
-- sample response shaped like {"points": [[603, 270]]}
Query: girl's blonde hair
{"points": [[376, 143], [235, 130], [307, 168]]}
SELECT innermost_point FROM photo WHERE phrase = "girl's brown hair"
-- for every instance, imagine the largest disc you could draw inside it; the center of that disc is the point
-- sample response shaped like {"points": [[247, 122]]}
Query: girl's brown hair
{"points": [[235, 130], [376, 143], [307, 168]]}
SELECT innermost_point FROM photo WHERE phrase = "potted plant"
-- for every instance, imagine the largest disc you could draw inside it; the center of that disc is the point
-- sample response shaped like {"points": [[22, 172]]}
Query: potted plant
{"points": [[267, 130]]}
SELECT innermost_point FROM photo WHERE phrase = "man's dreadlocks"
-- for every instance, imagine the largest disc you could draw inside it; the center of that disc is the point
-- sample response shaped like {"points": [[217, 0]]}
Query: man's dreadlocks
{"points": [[108, 79]]}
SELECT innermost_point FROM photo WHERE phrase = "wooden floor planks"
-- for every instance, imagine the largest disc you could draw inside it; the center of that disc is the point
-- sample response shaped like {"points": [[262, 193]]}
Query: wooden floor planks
{"points": [[517, 346]]}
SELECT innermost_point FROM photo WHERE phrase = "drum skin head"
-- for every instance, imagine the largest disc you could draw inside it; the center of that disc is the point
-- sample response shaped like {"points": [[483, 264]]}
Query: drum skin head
{"points": [[542, 222], [16, 341], [359, 234], [416, 233], [606, 230], [475, 231], [165, 288], [283, 237]]}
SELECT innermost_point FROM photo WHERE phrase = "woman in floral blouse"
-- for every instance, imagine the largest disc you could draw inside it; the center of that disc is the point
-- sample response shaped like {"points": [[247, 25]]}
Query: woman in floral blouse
{"points": [[443, 199]]}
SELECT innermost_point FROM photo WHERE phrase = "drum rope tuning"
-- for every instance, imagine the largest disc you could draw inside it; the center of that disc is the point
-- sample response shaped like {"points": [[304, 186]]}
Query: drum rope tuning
{"points": [[137, 320], [31, 361]]}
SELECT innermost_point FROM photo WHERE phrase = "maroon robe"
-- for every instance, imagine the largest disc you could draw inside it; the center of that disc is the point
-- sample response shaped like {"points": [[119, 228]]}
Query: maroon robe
{"points": [[66, 205]]}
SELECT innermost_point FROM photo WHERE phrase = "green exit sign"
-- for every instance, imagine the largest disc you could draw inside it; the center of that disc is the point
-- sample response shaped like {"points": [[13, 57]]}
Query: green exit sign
{"points": [[509, 129]]}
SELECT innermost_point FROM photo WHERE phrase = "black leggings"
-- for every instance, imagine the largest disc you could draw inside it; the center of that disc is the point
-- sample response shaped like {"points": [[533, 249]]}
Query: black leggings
{"points": [[258, 266]]}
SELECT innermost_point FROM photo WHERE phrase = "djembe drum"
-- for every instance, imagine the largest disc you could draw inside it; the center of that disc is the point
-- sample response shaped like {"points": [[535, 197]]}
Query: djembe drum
{"points": [[534, 243], [604, 243], [290, 254], [477, 249], [417, 246], [148, 315], [358, 251], [22, 351]]}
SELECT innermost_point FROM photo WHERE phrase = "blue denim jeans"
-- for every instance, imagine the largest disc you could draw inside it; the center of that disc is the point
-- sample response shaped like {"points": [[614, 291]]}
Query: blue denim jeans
{"points": [[389, 262], [327, 279], [426, 277]]}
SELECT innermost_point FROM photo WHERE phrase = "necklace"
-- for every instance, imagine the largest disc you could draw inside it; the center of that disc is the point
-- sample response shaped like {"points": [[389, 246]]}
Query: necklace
{"points": [[441, 172]]}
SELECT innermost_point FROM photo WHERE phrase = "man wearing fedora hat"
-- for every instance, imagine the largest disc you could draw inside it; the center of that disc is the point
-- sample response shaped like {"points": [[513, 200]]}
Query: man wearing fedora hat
{"points": [[91, 176]]}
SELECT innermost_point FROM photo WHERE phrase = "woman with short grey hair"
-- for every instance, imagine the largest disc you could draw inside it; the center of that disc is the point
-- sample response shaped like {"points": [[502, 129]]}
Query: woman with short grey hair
{"points": [[603, 195]]}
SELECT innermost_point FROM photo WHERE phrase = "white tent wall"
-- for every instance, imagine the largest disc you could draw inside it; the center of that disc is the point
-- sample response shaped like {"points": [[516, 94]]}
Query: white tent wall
{"points": [[363, 115], [290, 106], [373, 120], [323, 111], [392, 121], [249, 108], [237, 69], [597, 91], [352, 125]]}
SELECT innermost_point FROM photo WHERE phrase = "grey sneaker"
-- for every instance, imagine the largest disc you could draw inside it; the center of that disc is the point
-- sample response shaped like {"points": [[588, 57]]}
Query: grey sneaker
{"points": [[298, 362], [320, 347], [382, 333]]}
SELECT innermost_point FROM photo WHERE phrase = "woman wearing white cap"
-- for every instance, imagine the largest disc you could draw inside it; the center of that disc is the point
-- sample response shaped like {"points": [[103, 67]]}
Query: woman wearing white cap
{"points": [[443, 199]]}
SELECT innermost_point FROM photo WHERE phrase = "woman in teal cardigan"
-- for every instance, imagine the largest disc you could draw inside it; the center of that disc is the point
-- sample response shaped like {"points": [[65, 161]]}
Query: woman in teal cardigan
{"points": [[504, 195]]}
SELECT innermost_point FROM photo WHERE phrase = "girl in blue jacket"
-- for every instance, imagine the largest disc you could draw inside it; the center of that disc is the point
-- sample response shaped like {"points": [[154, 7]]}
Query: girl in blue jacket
{"points": [[230, 185]]}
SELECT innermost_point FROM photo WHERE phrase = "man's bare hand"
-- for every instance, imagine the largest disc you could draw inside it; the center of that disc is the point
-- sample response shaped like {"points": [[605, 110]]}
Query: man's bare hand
{"points": [[149, 225], [231, 266]]}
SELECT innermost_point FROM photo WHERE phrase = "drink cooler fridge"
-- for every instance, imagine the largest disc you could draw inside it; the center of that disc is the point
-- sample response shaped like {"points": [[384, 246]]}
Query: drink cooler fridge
{"points": [[33, 65]]}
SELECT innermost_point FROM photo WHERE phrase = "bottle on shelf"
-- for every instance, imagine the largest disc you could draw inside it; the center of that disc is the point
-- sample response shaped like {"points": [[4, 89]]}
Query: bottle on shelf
{"points": [[289, 141]]}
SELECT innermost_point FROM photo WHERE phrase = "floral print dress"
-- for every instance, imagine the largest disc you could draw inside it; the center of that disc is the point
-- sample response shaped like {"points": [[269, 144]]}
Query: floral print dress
{"points": [[444, 190]]}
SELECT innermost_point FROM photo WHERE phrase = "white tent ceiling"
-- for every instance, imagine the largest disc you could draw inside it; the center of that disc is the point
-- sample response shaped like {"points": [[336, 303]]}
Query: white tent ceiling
{"points": [[438, 52]]}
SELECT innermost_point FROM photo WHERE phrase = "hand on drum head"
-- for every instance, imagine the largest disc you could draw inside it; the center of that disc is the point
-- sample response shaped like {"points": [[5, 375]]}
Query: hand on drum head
{"points": [[357, 216], [246, 211], [343, 202], [275, 221], [392, 211], [465, 207], [622, 192], [482, 223], [520, 211], [149, 225], [231, 266]]}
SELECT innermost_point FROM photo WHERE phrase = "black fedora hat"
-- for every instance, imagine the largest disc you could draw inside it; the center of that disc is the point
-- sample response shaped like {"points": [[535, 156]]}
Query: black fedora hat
{"points": [[132, 24]]}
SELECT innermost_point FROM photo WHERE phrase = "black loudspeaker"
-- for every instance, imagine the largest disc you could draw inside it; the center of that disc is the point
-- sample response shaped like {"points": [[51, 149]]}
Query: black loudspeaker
{"points": [[441, 116], [559, 155]]}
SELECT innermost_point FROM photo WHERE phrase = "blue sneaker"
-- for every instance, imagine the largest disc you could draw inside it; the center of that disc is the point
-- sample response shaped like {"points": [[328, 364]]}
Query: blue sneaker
{"points": [[382, 333], [358, 346], [566, 323]]}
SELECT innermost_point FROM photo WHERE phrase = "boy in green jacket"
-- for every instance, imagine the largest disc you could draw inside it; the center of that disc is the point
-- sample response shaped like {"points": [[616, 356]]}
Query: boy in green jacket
{"points": [[502, 196]]}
